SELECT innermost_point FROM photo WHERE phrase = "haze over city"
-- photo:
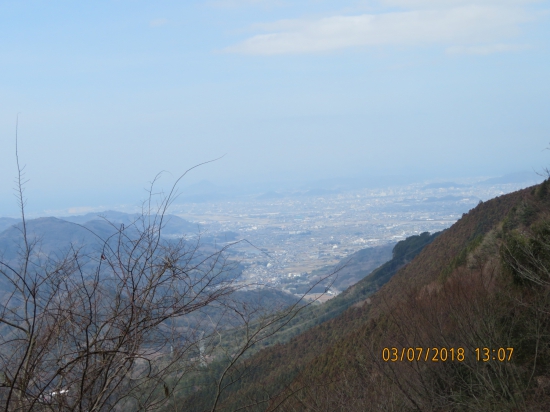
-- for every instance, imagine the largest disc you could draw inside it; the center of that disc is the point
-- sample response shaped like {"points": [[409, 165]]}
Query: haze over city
{"points": [[111, 93]]}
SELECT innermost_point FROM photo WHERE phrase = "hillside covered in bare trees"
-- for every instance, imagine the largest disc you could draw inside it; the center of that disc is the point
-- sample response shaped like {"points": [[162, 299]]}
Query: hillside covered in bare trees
{"points": [[464, 326]]}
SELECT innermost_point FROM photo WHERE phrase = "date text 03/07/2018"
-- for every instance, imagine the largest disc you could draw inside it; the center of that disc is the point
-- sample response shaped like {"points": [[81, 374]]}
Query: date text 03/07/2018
{"points": [[420, 354]]}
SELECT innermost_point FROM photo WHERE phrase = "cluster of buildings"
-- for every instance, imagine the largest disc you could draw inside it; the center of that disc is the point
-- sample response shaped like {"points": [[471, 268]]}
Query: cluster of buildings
{"points": [[289, 236]]}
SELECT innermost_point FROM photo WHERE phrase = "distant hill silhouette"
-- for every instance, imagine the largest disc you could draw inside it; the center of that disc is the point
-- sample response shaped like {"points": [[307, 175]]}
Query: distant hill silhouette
{"points": [[6, 222], [56, 235], [444, 185], [519, 177], [271, 195]]}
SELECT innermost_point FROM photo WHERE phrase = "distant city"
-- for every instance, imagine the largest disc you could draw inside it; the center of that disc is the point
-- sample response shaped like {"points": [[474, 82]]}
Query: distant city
{"points": [[288, 235], [288, 239]]}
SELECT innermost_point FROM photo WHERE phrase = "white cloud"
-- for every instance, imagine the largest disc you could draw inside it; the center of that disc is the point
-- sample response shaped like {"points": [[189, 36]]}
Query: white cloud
{"points": [[231, 4], [471, 24], [486, 49], [414, 4], [158, 22]]}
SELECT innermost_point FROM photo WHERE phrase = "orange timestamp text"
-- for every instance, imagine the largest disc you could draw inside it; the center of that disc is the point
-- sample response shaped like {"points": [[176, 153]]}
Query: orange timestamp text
{"points": [[443, 354]]}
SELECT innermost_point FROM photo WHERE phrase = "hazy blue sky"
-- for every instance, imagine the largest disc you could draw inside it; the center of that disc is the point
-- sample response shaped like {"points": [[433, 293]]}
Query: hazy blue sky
{"points": [[112, 92]]}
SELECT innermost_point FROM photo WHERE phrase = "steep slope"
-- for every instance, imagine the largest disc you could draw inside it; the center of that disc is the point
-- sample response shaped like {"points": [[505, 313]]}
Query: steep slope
{"points": [[482, 284], [360, 264], [275, 367]]}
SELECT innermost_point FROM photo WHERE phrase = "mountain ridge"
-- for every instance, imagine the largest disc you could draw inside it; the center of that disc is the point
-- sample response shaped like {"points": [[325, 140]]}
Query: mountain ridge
{"points": [[458, 294]]}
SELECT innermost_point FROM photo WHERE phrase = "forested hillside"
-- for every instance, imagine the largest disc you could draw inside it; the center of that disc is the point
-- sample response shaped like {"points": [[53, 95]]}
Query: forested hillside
{"points": [[464, 326], [269, 368]]}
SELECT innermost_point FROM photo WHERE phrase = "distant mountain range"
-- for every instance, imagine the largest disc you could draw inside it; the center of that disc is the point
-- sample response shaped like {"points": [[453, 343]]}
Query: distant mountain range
{"points": [[518, 177], [56, 235], [335, 186], [444, 185]]}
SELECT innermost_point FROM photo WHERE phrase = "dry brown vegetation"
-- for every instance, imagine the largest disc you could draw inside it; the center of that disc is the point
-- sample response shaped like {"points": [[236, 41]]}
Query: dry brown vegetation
{"points": [[483, 283], [495, 295]]}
